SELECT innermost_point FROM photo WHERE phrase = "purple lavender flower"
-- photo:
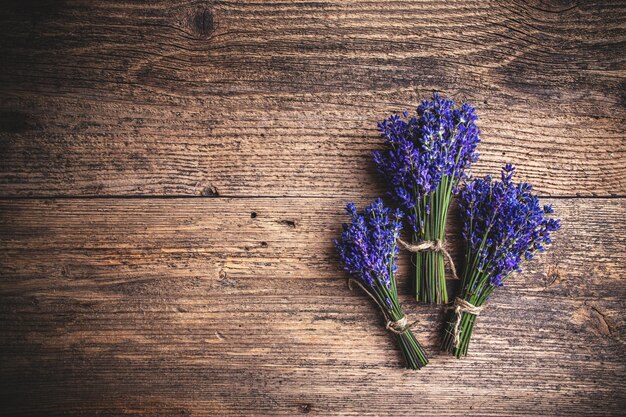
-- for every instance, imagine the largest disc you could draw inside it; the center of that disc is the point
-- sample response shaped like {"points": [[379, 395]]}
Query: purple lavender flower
{"points": [[367, 247], [426, 155], [439, 141], [503, 223]]}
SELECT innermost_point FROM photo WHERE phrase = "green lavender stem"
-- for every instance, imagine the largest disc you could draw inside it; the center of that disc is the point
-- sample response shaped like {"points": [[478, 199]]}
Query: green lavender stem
{"points": [[412, 351], [477, 298], [430, 275], [430, 279], [465, 334]]}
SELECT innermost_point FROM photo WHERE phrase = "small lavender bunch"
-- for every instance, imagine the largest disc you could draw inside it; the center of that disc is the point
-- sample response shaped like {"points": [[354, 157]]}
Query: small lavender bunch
{"points": [[367, 248], [503, 222], [426, 156]]}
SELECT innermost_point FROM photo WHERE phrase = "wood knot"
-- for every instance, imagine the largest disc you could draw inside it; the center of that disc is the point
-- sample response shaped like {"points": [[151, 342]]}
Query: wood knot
{"points": [[209, 191], [203, 23], [288, 223], [552, 276], [305, 408], [593, 319]]}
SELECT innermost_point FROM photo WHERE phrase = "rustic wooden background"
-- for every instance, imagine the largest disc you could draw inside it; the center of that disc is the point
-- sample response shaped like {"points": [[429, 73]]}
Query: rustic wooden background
{"points": [[172, 174]]}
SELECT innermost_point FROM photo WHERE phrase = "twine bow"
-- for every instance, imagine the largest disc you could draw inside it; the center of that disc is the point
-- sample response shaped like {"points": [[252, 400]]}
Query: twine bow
{"points": [[461, 306], [430, 246], [394, 326]]}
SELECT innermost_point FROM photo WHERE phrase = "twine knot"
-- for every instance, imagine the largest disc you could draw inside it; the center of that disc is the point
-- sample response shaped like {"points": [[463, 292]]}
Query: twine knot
{"points": [[430, 246], [398, 326], [461, 306]]}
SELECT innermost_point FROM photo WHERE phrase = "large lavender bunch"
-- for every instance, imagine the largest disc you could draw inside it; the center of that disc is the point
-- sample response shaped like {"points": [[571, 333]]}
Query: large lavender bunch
{"points": [[503, 223], [425, 157], [367, 248]]}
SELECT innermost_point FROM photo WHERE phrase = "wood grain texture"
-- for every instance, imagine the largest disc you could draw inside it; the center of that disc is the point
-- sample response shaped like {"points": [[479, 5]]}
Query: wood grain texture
{"points": [[282, 98], [199, 154], [221, 306]]}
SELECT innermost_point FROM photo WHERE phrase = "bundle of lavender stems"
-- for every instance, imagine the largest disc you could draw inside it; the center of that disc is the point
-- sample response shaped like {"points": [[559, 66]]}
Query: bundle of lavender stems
{"points": [[425, 158], [503, 222], [368, 250]]}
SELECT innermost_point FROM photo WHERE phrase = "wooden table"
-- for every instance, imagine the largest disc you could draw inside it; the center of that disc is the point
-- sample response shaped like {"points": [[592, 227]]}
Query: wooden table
{"points": [[173, 173]]}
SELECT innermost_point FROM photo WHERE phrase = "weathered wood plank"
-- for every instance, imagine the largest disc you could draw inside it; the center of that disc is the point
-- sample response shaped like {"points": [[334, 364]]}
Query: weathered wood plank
{"points": [[237, 307], [281, 98]]}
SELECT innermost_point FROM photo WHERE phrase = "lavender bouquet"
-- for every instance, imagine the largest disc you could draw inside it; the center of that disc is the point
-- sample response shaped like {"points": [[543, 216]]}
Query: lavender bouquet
{"points": [[368, 249], [502, 223], [426, 156]]}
